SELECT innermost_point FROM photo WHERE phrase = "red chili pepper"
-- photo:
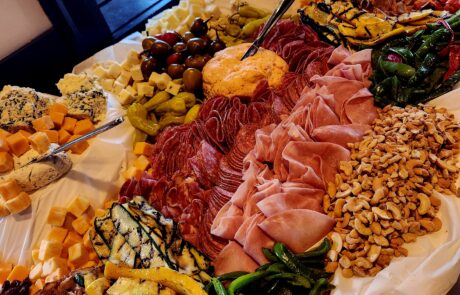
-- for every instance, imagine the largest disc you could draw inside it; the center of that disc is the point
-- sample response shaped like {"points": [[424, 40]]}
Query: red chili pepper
{"points": [[454, 60]]}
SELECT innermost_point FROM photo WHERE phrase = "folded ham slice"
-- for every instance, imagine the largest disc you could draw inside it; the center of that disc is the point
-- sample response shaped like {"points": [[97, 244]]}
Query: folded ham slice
{"points": [[285, 201], [227, 222], [340, 134], [299, 229], [233, 258]]}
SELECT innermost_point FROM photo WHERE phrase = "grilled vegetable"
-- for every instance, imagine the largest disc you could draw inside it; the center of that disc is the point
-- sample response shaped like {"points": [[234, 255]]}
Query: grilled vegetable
{"points": [[101, 248], [121, 253]]}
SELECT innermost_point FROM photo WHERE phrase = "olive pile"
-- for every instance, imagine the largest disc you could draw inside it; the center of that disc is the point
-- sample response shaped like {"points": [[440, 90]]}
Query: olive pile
{"points": [[180, 56]]}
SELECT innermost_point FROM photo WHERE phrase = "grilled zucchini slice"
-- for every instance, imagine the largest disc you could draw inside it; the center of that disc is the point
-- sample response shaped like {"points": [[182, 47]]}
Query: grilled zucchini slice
{"points": [[100, 247], [122, 253]]}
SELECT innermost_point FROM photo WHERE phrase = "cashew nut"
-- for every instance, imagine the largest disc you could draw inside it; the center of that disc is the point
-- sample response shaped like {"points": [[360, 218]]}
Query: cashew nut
{"points": [[381, 241], [362, 262], [373, 253], [382, 214], [378, 195], [361, 228], [425, 204], [394, 210]]}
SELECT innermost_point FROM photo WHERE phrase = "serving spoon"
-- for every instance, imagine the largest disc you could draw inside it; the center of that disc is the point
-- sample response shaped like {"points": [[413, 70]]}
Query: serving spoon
{"points": [[283, 6]]}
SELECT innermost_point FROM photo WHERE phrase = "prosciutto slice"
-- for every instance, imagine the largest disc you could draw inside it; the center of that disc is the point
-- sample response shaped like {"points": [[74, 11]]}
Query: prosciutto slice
{"points": [[299, 229]]}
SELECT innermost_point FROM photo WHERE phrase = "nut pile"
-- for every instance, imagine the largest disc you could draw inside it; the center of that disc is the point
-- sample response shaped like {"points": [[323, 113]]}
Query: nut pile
{"points": [[384, 196]]}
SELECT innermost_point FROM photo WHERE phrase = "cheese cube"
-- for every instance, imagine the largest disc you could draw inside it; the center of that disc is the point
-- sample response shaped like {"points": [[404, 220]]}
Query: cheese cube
{"points": [[133, 57], [3, 210], [4, 133], [163, 81], [36, 271], [49, 249], [6, 162], [89, 264], [100, 72], [78, 206], [40, 283], [9, 189], [133, 172], [131, 91], [93, 256], [4, 145], [53, 135], [26, 134], [87, 241], [57, 234], [57, 118], [117, 87], [124, 78], [144, 89], [43, 123], [136, 73], [19, 272], [18, 143], [56, 216], [52, 264], [69, 124], [143, 148], [34, 255], [83, 126], [18, 204], [114, 70], [40, 142], [80, 147], [71, 239], [78, 254], [55, 276], [154, 77], [125, 97], [63, 136], [173, 88], [126, 66], [58, 108], [107, 84], [81, 224], [5, 269], [141, 163], [99, 212]]}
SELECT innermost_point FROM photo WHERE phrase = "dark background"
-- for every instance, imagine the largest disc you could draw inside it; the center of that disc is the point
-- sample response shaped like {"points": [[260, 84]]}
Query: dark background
{"points": [[80, 29]]}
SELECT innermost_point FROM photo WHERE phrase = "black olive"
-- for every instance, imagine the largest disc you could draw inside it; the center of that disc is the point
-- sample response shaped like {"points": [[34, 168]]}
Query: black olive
{"points": [[147, 43], [192, 79], [188, 36], [180, 47], [196, 45], [199, 27], [160, 47], [195, 61], [176, 70], [148, 65]]}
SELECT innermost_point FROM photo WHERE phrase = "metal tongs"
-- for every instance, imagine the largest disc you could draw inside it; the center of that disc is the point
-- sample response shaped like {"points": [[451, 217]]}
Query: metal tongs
{"points": [[283, 6], [66, 146]]}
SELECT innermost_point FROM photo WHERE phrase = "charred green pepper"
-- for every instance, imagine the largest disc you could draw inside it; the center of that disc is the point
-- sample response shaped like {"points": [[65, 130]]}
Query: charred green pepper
{"points": [[245, 280], [393, 68]]}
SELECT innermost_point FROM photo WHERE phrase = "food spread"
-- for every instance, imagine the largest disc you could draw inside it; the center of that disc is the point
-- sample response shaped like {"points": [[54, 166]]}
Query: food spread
{"points": [[296, 170]]}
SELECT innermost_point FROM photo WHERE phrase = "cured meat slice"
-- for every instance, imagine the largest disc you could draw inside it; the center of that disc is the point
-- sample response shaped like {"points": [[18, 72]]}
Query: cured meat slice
{"points": [[233, 258], [248, 223], [340, 134], [244, 191], [205, 164], [278, 203], [256, 239], [299, 229], [227, 222]]}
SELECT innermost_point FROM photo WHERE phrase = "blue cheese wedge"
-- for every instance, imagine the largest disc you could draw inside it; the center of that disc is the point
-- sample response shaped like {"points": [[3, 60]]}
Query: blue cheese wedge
{"points": [[83, 98], [20, 106]]}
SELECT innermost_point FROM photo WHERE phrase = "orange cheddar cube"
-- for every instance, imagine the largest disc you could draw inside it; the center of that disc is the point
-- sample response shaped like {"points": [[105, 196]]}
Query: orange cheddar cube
{"points": [[19, 272], [43, 123], [4, 145], [69, 124], [99, 212], [71, 239], [4, 133], [5, 269], [78, 254], [6, 162], [57, 234], [58, 108], [80, 147], [143, 148], [19, 203], [89, 264], [93, 256], [53, 135], [83, 126], [27, 134], [9, 189], [39, 142], [18, 143], [64, 136], [56, 216], [81, 224], [57, 118]]}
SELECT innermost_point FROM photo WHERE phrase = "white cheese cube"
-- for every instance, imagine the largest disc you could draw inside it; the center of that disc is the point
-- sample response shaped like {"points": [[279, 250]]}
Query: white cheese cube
{"points": [[39, 142], [117, 87], [133, 57], [52, 264], [136, 73], [34, 255], [78, 206], [114, 70], [19, 203], [154, 77], [49, 249], [126, 65], [173, 88], [125, 97], [100, 72], [124, 78], [181, 13], [144, 89], [36, 272], [131, 91], [55, 276], [107, 84], [163, 81]]}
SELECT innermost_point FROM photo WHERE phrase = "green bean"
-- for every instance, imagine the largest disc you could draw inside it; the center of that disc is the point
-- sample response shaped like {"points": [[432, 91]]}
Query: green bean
{"points": [[425, 69], [277, 267], [432, 40], [245, 280], [232, 275], [218, 287], [291, 261], [321, 283]]}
